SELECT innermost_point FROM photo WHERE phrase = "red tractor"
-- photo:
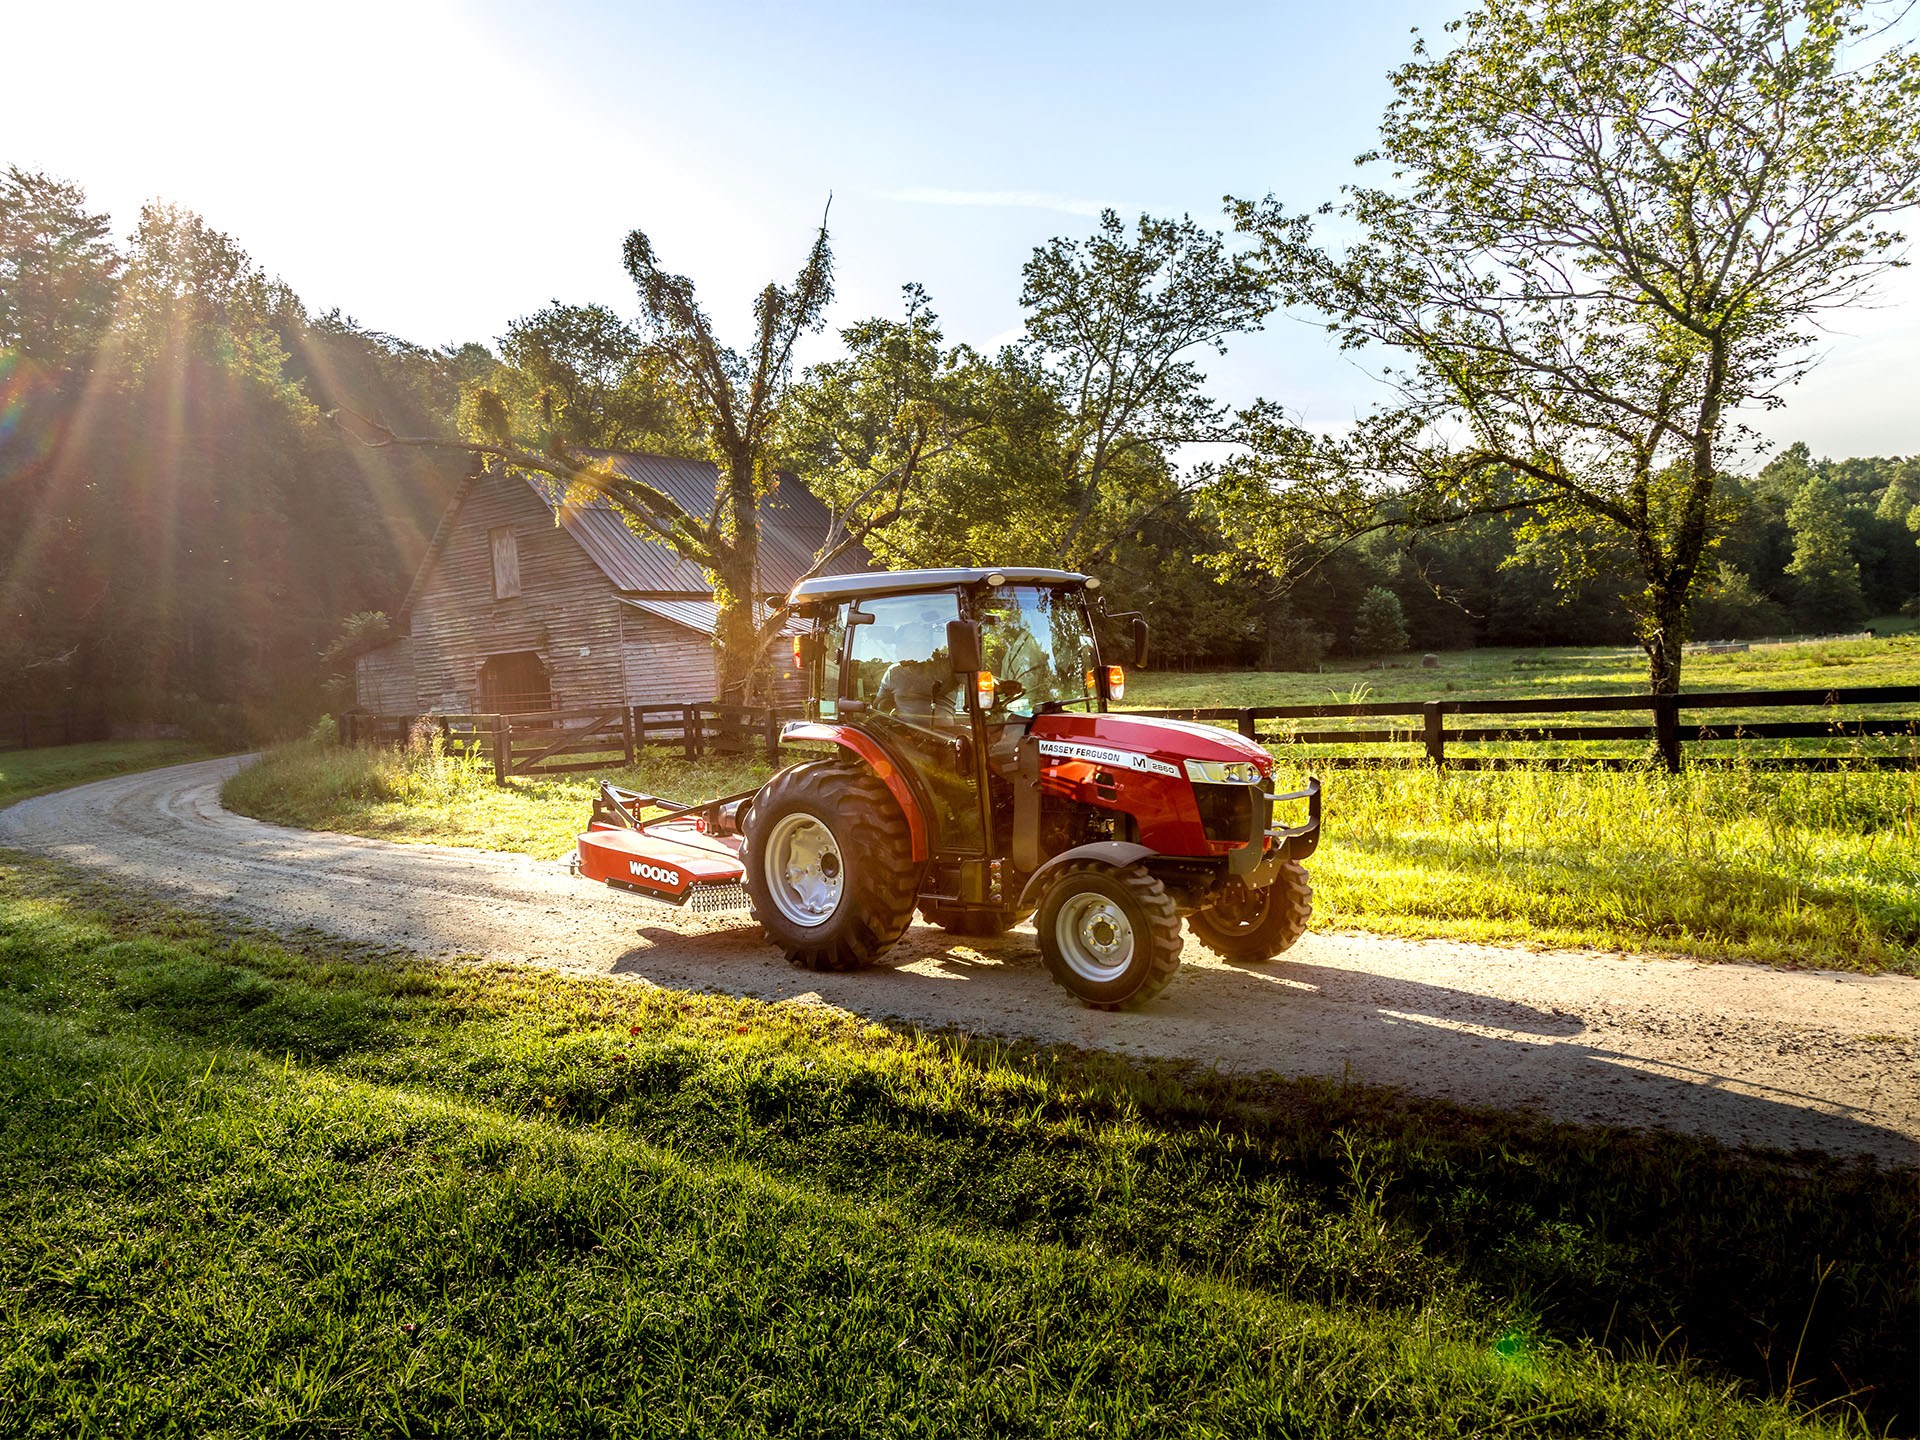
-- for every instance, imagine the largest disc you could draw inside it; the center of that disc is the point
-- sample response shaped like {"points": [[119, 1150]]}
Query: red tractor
{"points": [[979, 776]]}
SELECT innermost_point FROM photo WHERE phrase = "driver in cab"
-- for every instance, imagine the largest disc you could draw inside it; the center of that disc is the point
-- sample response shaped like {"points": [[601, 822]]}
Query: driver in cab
{"points": [[920, 686]]}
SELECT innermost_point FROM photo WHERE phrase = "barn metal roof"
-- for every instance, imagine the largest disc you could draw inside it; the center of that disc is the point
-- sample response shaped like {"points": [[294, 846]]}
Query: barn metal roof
{"points": [[793, 527], [700, 615]]}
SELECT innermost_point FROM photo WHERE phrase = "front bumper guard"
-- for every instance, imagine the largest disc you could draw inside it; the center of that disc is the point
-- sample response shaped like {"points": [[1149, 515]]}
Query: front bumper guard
{"points": [[1257, 864], [1297, 842]]}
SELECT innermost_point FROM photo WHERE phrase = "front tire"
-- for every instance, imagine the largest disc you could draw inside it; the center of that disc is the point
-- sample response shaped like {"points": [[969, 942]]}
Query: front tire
{"points": [[1110, 936], [826, 856], [1248, 926]]}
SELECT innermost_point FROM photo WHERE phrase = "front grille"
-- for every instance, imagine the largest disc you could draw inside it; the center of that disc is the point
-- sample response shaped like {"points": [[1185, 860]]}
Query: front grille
{"points": [[1226, 811]]}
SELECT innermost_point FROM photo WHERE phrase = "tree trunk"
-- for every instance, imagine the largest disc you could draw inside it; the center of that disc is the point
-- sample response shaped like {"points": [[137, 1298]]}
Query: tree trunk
{"points": [[736, 641], [1663, 634], [736, 635]]}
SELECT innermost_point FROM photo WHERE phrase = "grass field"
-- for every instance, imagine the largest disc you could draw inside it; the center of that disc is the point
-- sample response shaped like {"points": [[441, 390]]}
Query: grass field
{"points": [[249, 1188], [1511, 673], [31, 772]]}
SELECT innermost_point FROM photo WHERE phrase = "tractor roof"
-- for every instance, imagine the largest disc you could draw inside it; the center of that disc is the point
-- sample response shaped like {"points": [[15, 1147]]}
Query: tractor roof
{"points": [[907, 582]]}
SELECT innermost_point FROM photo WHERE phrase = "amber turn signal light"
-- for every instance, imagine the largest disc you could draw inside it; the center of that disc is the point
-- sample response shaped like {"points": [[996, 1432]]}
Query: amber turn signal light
{"points": [[1116, 682], [983, 686]]}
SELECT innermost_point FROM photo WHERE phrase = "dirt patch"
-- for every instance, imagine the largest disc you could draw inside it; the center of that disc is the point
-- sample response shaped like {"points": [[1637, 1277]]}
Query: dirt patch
{"points": [[1793, 1059]]}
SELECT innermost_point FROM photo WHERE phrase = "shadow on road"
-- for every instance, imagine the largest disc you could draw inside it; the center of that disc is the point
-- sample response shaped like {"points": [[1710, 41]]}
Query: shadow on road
{"points": [[1296, 1018]]}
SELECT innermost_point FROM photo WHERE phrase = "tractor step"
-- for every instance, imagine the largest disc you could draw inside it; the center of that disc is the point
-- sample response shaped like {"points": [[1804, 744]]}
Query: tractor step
{"points": [[672, 863]]}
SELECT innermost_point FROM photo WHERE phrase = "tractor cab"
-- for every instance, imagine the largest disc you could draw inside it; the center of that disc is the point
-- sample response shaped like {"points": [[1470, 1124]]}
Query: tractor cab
{"points": [[976, 773], [948, 679]]}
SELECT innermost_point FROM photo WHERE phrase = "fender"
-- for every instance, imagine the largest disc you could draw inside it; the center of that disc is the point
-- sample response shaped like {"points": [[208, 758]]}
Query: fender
{"points": [[868, 749], [1116, 853]]}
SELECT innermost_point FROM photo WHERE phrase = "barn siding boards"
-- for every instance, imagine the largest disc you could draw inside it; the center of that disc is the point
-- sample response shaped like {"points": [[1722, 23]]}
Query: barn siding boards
{"points": [[566, 612], [667, 664], [383, 681]]}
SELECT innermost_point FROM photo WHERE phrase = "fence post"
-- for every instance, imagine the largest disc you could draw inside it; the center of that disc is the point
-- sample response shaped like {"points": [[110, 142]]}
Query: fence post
{"points": [[1666, 731], [690, 730], [627, 739], [1436, 733], [1246, 725], [773, 736], [502, 749]]}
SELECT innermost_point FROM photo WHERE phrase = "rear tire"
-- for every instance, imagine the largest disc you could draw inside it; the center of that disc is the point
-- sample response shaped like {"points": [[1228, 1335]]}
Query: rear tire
{"points": [[1254, 925], [826, 855], [1110, 936], [969, 919]]}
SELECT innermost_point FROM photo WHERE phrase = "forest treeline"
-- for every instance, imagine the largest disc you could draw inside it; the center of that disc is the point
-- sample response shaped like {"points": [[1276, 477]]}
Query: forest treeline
{"points": [[184, 535]]}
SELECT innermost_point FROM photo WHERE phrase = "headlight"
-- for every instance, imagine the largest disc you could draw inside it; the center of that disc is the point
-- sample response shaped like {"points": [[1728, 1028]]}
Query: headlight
{"points": [[1223, 772]]}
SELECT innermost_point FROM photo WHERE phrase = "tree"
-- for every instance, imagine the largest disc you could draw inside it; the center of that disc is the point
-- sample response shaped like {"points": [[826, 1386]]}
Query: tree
{"points": [[941, 455], [1115, 317], [1825, 574], [587, 375], [1726, 606], [1381, 626], [732, 405], [57, 271], [1611, 226]]}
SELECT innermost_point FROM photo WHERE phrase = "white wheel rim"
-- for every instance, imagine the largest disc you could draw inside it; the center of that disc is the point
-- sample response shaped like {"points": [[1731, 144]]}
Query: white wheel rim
{"points": [[1095, 937], [805, 878]]}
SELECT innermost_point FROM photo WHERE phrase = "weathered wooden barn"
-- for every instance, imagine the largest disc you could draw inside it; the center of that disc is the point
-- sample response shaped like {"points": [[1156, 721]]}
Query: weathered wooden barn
{"points": [[524, 605]]}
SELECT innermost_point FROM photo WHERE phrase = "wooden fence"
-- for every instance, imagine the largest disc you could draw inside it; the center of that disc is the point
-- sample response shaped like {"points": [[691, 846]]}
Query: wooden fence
{"points": [[580, 740], [1663, 727], [32, 729], [572, 741]]}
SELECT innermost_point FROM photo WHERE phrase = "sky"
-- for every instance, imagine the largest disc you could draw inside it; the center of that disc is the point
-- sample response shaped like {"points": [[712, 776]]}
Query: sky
{"points": [[436, 168]]}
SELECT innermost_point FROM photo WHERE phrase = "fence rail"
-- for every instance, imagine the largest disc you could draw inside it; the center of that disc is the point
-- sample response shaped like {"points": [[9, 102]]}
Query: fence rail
{"points": [[1663, 726], [569, 741], [562, 742]]}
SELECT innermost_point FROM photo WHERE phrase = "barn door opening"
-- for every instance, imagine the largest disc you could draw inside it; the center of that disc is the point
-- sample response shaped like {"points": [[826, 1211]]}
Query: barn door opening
{"points": [[515, 684]]}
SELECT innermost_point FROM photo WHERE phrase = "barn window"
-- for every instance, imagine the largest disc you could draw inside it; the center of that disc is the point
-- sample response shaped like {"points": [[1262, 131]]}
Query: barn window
{"points": [[515, 684], [506, 563]]}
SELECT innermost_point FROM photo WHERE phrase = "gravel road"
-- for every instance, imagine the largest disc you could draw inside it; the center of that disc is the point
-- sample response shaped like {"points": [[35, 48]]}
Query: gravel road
{"points": [[1807, 1059]]}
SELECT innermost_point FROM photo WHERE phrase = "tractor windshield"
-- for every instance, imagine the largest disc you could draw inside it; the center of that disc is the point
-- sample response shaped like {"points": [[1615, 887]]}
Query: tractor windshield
{"points": [[1038, 646]]}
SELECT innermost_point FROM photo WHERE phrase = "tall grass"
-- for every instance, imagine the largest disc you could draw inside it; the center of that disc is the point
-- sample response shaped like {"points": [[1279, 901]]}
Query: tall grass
{"points": [[1748, 864], [1782, 866]]}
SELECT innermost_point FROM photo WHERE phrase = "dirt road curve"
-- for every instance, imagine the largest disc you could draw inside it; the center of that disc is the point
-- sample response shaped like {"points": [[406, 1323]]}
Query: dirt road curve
{"points": [[1812, 1059]]}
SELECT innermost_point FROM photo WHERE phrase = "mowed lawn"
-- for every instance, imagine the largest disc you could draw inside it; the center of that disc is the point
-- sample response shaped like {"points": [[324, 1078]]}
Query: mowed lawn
{"points": [[1741, 863], [250, 1188]]}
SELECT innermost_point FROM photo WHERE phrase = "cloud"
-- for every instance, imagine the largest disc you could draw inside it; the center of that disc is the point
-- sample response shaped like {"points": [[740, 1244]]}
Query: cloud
{"points": [[1000, 199]]}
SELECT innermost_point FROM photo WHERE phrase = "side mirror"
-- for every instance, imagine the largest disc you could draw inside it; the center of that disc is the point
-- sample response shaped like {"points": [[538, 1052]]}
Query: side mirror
{"points": [[963, 647], [1139, 642]]}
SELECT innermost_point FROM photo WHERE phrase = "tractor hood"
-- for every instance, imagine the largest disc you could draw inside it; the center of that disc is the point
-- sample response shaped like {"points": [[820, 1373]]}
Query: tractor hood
{"points": [[1168, 741]]}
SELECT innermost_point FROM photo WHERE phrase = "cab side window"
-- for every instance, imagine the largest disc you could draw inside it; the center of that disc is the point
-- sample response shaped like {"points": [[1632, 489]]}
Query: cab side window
{"points": [[898, 663]]}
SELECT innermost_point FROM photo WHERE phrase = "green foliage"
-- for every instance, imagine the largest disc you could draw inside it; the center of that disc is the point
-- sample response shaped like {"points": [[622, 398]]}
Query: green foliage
{"points": [[1825, 574], [1578, 311], [1728, 607], [57, 271], [1115, 318], [1380, 628], [241, 1179]]}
